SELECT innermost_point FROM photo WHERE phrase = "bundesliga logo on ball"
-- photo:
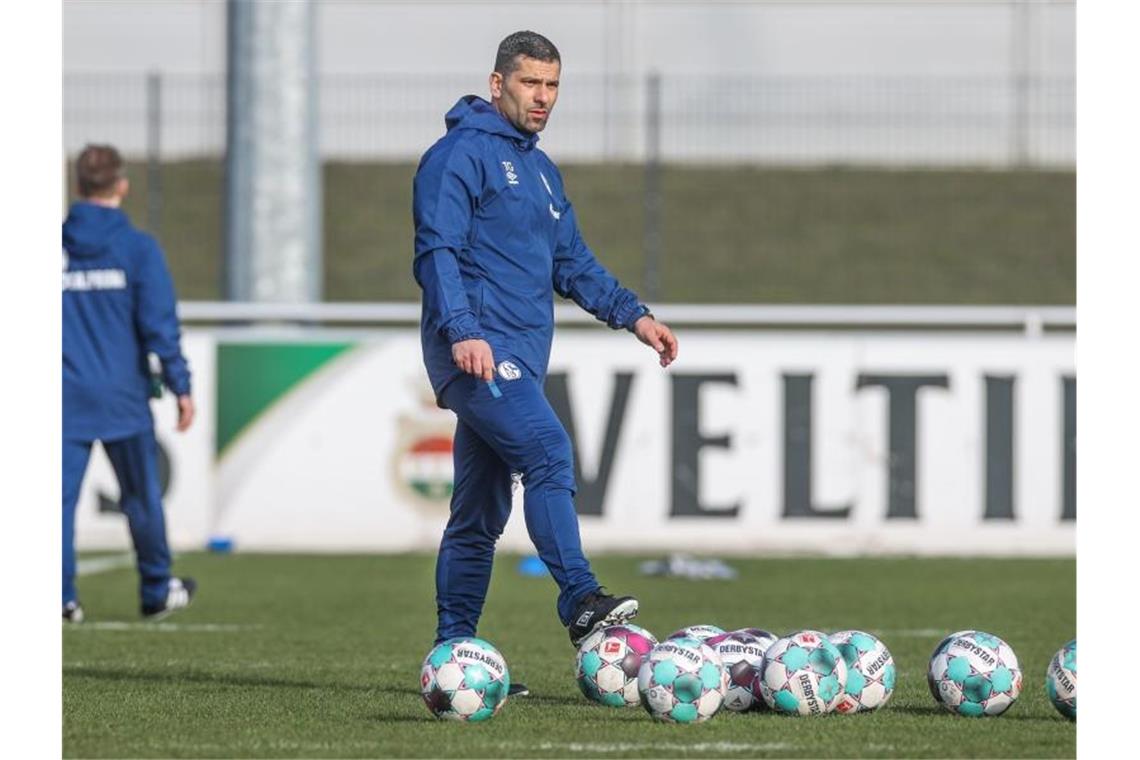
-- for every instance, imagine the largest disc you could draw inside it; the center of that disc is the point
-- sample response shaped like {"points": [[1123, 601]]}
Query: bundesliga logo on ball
{"points": [[464, 679]]}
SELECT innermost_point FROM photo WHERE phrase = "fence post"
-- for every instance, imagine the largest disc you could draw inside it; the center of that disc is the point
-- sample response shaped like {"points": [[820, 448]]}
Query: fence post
{"points": [[1020, 65], [652, 236], [153, 152], [273, 174]]}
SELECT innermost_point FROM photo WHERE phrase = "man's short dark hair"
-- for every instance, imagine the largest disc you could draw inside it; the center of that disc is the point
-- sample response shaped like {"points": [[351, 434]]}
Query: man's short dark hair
{"points": [[529, 44], [97, 170]]}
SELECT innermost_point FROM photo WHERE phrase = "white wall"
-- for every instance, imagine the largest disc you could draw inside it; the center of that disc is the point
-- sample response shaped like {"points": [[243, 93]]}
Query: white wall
{"points": [[761, 38]]}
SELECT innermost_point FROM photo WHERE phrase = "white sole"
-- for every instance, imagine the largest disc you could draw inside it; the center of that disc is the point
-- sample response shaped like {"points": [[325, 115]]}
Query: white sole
{"points": [[156, 617], [623, 613]]}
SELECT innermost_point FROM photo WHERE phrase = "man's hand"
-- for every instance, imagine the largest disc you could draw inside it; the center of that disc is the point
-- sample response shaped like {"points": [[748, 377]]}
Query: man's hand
{"points": [[474, 357], [658, 337], [185, 413]]}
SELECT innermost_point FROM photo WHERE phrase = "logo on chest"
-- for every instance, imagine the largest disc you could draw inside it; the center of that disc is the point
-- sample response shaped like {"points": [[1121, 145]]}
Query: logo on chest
{"points": [[509, 169]]}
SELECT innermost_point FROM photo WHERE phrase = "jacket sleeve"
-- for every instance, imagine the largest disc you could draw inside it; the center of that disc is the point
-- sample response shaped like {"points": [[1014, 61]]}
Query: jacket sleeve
{"points": [[578, 275], [444, 193], [156, 317]]}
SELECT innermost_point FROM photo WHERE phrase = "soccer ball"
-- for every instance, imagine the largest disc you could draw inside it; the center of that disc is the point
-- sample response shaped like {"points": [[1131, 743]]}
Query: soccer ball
{"points": [[741, 654], [974, 673], [1061, 680], [682, 681], [699, 632], [930, 682], [766, 636], [803, 674], [870, 671], [608, 662], [464, 679]]}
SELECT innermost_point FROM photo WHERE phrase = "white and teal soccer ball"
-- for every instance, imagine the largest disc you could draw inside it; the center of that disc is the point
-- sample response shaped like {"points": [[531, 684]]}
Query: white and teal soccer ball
{"points": [[974, 673], [682, 681], [803, 674], [464, 679], [609, 660], [930, 682], [870, 671], [699, 632], [1061, 680], [741, 654], [946, 641]]}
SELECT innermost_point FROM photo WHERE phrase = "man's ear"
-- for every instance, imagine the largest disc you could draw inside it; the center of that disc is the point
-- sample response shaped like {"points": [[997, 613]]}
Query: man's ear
{"points": [[496, 82], [122, 187]]}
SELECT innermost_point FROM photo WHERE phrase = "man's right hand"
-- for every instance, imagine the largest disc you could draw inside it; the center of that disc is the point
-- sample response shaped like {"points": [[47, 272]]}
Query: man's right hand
{"points": [[474, 357]]}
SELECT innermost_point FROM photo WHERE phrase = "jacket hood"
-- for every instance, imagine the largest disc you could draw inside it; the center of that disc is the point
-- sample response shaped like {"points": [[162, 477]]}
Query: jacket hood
{"points": [[89, 228], [472, 112]]}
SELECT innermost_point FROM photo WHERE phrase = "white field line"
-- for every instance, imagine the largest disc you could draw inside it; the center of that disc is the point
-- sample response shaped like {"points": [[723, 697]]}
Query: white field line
{"points": [[112, 625], [103, 564], [719, 747]]}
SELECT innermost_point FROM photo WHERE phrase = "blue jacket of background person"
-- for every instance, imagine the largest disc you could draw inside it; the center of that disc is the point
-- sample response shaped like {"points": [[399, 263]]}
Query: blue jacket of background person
{"points": [[495, 238], [118, 306]]}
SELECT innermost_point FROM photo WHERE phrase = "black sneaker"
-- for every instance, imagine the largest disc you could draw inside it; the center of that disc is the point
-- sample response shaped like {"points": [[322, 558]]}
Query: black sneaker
{"points": [[178, 596], [72, 613], [597, 610], [518, 690]]}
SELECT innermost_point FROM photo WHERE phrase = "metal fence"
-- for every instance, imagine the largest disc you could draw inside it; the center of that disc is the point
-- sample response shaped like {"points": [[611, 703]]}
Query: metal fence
{"points": [[1018, 121], [656, 153]]}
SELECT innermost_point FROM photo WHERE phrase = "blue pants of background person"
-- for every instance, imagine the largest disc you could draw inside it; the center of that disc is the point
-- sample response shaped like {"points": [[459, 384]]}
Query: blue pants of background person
{"points": [[507, 428], [135, 461]]}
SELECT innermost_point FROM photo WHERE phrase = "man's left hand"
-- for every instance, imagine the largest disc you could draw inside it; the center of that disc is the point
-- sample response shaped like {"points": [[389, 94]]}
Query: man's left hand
{"points": [[185, 413], [658, 337]]}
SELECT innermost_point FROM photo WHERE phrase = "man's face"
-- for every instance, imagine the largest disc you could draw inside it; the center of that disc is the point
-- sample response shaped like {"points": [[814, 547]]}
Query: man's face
{"points": [[526, 96]]}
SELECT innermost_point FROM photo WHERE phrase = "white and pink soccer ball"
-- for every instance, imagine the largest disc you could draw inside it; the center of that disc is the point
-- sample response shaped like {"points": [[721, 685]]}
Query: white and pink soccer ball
{"points": [[699, 632], [609, 660], [741, 652]]}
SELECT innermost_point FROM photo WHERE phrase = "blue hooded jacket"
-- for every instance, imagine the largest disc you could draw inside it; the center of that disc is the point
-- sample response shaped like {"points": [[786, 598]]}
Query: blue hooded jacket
{"points": [[495, 238], [118, 306]]}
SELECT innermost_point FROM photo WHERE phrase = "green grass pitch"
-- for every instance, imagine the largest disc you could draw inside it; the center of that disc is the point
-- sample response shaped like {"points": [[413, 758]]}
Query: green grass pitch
{"points": [[319, 656], [729, 235]]}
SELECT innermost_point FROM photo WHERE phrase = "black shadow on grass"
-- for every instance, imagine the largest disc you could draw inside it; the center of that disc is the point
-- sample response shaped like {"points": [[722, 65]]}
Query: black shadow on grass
{"points": [[928, 710], [403, 719], [920, 710], [174, 677], [538, 699]]}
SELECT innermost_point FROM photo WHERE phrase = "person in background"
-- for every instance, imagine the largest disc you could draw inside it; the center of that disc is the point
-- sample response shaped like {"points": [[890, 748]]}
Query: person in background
{"points": [[495, 238], [119, 307]]}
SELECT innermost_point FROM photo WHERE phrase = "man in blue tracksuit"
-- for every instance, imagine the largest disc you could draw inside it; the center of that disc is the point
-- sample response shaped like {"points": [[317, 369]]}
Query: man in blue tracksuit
{"points": [[118, 307], [495, 236]]}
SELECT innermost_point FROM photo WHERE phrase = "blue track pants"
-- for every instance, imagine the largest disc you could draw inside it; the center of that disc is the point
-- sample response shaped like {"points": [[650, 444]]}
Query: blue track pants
{"points": [[135, 461], [504, 429]]}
